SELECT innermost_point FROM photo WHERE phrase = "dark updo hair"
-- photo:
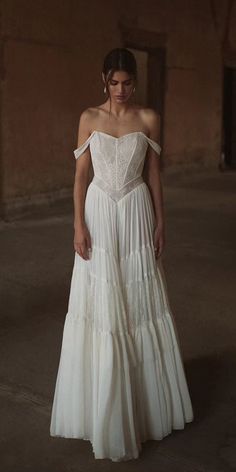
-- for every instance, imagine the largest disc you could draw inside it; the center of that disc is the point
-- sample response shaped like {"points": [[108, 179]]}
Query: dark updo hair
{"points": [[119, 59]]}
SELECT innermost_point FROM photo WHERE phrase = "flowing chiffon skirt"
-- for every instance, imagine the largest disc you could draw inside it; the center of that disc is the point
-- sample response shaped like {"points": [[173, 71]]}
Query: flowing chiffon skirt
{"points": [[121, 379]]}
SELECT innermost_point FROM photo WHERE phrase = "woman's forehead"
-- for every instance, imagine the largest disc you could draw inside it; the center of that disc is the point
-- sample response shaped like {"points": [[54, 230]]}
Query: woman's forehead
{"points": [[120, 75]]}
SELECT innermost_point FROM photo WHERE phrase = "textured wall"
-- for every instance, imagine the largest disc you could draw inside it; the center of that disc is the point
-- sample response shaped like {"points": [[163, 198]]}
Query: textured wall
{"points": [[52, 54], [201, 38], [50, 64]]}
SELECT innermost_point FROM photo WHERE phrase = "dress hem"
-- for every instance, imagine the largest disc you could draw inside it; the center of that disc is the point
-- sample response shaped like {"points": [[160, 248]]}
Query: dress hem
{"points": [[127, 456]]}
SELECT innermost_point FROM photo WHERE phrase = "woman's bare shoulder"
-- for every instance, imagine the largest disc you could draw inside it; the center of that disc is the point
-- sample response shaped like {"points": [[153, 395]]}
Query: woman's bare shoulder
{"points": [[149, 118], [91, 115], [88, 113], [87, 118], [149, 113]]}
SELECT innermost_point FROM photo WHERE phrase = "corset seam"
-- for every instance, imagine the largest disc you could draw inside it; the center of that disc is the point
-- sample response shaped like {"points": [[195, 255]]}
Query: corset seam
{"points": [[117, 195]]}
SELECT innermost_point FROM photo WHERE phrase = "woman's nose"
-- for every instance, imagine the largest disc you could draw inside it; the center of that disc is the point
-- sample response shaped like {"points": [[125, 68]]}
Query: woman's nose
{"points": [[121, 88]]}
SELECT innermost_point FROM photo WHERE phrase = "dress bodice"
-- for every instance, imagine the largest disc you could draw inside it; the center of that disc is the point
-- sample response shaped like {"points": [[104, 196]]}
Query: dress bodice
{"points": [[117, 162]]}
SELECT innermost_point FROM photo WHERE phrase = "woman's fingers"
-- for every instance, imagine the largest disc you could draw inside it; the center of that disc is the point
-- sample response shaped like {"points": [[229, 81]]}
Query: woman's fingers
{"points": [[160, 250], [82, 241], [158, 247], [83, 249], [89, 245]]}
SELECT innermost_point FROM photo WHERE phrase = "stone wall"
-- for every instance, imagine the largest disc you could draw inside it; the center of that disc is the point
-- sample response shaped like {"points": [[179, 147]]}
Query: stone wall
{"points": [[51, 57], [50, 64]]}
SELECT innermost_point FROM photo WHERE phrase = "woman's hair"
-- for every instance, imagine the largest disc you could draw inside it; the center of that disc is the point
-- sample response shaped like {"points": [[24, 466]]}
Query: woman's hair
{"points": [[119, 59]]}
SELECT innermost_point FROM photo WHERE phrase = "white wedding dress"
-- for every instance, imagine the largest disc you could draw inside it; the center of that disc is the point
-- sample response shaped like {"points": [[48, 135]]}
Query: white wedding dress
{"points": [[121, 379]]}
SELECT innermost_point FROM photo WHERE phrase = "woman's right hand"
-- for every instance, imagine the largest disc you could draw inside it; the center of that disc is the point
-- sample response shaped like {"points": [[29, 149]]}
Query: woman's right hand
{"points": [[82, 241]]}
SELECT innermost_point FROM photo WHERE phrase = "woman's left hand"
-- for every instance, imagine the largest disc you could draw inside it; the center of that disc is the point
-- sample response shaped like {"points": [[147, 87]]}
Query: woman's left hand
{"points": [[159, 240]]}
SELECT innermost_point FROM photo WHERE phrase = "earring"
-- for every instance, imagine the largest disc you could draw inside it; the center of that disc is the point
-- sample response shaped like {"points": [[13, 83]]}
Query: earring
{"points": [[133, 89], [105, 89]]}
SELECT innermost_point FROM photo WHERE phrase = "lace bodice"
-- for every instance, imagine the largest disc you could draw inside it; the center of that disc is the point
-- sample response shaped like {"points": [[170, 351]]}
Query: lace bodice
{"points": [[117, 162]]}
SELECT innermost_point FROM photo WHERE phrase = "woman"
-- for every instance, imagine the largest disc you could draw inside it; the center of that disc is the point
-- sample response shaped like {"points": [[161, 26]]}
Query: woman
{"points": [[121, 379]]}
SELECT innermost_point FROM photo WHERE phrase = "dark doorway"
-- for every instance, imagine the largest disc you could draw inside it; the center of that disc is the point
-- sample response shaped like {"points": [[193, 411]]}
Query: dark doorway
{"points": [[229, 118], [151, 79]]}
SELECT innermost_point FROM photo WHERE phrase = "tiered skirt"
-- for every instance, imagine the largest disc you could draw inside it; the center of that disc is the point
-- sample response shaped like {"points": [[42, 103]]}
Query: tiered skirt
{"points": [[121, 379]]}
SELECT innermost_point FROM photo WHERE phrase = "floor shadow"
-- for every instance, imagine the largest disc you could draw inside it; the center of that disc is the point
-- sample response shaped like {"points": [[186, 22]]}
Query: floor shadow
{"points": [[211, 382]]}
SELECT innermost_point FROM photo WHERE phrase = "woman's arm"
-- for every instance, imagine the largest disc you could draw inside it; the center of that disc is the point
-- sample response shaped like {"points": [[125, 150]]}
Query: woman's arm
{"points": [[82, 241], [152, 177]]}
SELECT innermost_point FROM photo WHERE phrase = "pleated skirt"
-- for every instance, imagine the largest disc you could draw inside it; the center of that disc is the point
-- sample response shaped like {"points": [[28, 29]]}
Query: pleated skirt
{"points": [[121, 379]]}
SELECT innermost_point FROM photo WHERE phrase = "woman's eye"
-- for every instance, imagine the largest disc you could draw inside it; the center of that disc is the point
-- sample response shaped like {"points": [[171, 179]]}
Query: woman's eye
{"points": [[115, 83]]}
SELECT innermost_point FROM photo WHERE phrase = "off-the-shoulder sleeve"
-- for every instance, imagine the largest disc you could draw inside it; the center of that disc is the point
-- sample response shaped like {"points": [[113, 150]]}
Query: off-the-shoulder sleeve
{"points": [[154, 145], [77, 152]]}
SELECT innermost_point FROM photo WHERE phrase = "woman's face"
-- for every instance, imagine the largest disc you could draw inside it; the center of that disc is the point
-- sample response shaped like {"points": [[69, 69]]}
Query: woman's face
{"points": [[121, 86]]}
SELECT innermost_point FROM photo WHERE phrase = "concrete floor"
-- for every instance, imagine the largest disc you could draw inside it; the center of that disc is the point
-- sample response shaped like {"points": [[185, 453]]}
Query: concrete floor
{"points": [[36, 262]]}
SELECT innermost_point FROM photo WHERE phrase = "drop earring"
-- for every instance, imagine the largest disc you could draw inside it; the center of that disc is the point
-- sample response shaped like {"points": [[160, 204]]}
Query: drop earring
{"points": [[133, 89], [105, 89]]}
